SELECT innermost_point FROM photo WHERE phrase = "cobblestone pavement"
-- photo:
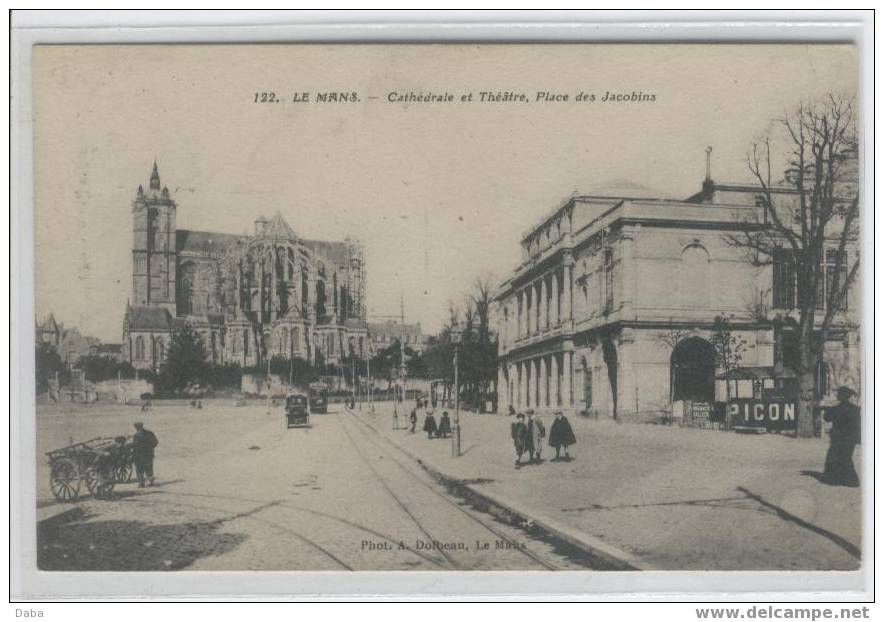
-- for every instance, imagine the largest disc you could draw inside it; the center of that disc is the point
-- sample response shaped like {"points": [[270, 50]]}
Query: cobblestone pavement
{"points": [[236, 490], [673, 498]]}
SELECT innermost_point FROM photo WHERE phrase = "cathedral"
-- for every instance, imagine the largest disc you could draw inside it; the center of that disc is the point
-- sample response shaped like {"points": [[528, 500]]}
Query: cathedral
{"points": [[251, 297]]}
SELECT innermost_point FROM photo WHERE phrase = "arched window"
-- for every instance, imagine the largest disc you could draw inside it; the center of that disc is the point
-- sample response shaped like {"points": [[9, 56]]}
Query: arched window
{"points": [[139, 348], [160, 350], [693, 275], [235, 341], [187, 283], [320, 298], [283, 341], [245, 343]]}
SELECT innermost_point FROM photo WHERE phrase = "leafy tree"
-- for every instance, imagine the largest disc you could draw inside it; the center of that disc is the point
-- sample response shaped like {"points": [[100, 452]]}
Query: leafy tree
{"points": [[729, 348], [98, 368], [185, 362], [48, 362]]}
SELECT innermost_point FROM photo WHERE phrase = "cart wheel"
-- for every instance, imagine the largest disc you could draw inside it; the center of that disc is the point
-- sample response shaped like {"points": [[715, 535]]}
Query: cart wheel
{"points": [[64, 479], [107, 479], [125, 472], [91, 478]]}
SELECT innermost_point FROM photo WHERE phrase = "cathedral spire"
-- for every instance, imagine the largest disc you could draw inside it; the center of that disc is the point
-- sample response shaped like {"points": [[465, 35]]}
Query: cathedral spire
{"points": [[155, 177]]}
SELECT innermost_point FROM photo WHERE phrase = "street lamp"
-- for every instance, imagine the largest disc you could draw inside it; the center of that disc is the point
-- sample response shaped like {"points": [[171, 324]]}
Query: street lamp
{"points": [[455, 333]]}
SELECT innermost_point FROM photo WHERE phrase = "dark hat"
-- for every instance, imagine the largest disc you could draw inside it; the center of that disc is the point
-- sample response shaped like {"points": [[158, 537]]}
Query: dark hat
{"points": [[530, 411], [520, 416], [138, 424], [845, 390], [559, 412]]}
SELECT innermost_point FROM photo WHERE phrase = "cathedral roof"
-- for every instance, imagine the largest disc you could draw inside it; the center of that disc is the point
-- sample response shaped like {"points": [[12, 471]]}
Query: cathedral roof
{"points": [[206, 242], [279, 229], [148, 318]]}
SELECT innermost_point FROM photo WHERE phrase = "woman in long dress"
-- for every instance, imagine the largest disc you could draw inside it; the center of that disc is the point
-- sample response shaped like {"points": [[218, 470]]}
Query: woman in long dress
{"points": [[430, 424], [561, 436]]}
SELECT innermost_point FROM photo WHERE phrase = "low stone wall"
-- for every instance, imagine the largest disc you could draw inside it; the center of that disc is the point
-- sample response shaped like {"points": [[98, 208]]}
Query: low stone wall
{"points": [[123, 391]]}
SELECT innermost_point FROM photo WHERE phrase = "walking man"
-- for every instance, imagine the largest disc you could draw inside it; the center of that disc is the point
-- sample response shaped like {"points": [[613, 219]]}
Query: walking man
{"points": [[412, 418], [143, 444], [519, 434], [536, 433], [843, 438]]}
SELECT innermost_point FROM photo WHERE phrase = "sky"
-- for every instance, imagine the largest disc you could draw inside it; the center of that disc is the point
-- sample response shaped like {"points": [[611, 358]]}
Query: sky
{"points": [[440, 194]]}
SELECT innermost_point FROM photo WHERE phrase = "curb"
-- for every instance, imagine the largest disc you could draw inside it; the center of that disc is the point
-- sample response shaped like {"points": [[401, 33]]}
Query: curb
{"points": [[614, 558]]}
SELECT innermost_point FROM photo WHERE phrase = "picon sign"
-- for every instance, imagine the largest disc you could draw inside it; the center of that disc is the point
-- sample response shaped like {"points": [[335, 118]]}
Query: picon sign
{"points": [[769, 413]]}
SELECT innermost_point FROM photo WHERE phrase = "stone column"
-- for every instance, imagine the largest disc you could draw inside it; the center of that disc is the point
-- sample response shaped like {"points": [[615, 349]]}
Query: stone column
{"points": [[569, 278], [529, 378], [543, 391], [554, 296], [503, 389], [529, 297], [520, 302], [538, 307], [554, 395], [544, 309], [567, 378]]}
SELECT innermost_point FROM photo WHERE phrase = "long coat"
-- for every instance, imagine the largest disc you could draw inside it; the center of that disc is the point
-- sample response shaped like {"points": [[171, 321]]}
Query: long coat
{"points": [[536, 432], [444, 425], [844, 436], [560, 433], [430, 424], [143, 443], [519, 433]]}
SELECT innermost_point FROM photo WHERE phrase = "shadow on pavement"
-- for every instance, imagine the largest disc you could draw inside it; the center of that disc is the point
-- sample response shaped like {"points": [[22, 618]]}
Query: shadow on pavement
{"points": [[71, 542], [845, 544]]}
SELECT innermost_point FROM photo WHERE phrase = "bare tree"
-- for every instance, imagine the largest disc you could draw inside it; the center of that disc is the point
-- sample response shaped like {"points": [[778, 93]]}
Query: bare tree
{"points": [[674, 335], [806, 230]]}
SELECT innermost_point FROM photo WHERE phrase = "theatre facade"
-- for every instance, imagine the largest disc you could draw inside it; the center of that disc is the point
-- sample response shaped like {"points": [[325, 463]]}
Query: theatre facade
{"points": [[610, 312]]}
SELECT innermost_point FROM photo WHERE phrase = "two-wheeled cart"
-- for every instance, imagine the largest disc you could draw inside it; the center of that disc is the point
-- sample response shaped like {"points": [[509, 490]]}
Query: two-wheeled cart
{"points": [[99, 463]]}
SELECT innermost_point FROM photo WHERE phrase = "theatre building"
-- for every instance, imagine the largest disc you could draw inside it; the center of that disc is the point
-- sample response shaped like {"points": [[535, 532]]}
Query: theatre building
{"points": [[611, 310]]}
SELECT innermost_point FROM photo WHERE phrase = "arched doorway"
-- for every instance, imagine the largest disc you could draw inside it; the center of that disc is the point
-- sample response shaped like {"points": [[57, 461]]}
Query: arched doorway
{"points": [[692, 370]]}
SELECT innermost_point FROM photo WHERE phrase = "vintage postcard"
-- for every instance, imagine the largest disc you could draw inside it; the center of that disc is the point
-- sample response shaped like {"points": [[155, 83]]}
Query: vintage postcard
{"points": [[457, 307]]}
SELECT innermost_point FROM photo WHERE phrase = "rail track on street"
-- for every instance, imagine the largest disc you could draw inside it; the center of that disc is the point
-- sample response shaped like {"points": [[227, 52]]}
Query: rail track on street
{"points": [[290, 506], [388, 447]]}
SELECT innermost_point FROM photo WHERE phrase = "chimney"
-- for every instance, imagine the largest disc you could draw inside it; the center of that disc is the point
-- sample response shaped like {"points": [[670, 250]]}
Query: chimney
{"points": [[708, 183]]}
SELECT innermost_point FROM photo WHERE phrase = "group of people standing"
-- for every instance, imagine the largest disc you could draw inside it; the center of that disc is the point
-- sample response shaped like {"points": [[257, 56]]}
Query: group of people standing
{"points": [[528, 436], [433, 430]]}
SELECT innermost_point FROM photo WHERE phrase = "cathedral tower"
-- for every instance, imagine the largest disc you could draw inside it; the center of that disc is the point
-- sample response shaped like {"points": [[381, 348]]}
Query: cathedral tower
{"points": [[153, 247]]}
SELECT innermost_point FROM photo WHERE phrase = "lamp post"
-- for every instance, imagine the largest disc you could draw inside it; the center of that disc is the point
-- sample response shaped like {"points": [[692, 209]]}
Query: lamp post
{"points": [[455, 333]]}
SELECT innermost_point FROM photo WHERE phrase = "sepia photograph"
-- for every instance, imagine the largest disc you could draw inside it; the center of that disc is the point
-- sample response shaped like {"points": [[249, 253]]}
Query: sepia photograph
{"points": [[448, 307]]}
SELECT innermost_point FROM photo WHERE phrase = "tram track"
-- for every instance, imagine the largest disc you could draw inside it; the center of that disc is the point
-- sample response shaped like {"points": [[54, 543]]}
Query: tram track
{"points": [[289, 506], [273, 524], [373, 439], [448, 558]]}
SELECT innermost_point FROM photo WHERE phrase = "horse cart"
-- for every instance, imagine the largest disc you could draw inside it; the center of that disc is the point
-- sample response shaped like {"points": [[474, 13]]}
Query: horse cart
{"points": [[99, 463]]}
